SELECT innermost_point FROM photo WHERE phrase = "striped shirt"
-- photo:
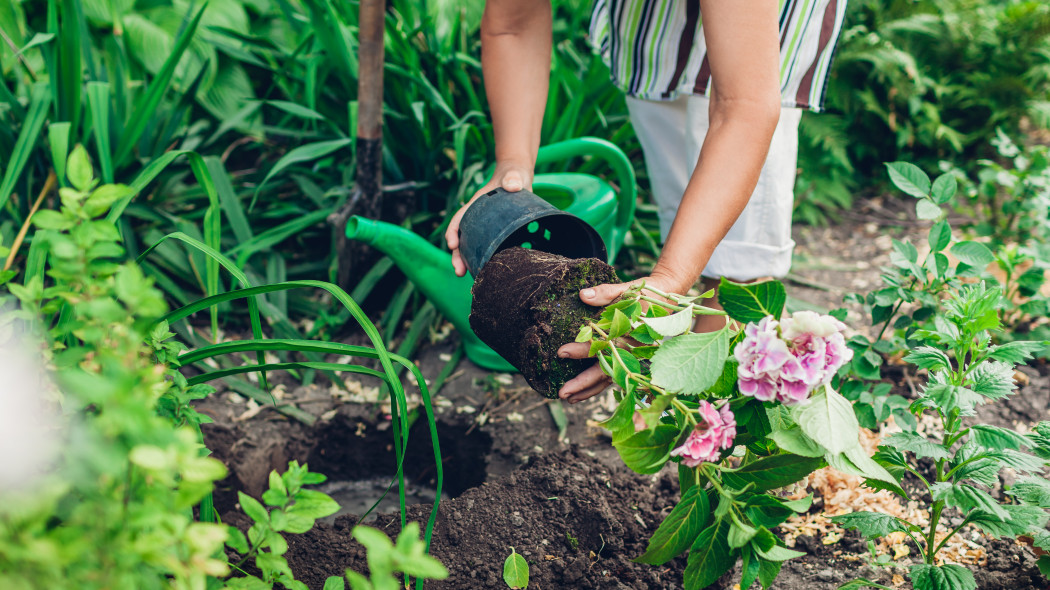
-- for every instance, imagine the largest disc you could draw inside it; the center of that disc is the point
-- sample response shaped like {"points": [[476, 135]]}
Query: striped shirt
{"points": [[655, 48]]}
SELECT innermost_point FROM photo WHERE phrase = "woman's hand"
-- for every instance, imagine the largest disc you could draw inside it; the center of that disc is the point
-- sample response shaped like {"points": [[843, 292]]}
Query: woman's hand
{"points": [[511, 176], [593, 381]]}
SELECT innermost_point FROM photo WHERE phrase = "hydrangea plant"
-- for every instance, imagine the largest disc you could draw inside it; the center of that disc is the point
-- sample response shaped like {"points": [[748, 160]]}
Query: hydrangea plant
{"points": [[743, 411]]}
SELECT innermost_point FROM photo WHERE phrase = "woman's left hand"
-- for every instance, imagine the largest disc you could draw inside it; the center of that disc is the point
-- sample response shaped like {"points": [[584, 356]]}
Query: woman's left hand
{"points": [[593, 380]]}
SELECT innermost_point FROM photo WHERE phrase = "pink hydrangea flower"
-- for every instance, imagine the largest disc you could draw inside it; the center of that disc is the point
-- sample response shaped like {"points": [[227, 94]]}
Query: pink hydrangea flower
{"points": [[786, 364], [714, 431]]}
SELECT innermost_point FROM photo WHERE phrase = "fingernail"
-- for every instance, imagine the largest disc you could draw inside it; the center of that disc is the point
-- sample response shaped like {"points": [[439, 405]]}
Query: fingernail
{"points": [[588, 293]]}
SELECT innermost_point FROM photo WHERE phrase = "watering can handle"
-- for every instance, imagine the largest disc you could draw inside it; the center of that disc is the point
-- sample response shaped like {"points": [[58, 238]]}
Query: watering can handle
{"points": [[613, 156]]}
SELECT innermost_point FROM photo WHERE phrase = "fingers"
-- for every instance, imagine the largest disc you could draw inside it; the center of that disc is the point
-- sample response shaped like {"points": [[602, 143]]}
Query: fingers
{"points": [[459, 266], [513, 181], [585, 385], [602, 295], [575, 350]]}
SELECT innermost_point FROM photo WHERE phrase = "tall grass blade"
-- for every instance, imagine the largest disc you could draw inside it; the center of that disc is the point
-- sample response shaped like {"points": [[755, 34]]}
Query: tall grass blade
{"points": [[98, 104], [147, 105], [304, 153], [231, 205], [58, 140], [39, 101]]}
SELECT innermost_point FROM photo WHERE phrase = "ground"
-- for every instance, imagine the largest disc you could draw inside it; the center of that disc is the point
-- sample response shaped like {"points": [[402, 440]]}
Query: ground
{"points": [[561, 497]]}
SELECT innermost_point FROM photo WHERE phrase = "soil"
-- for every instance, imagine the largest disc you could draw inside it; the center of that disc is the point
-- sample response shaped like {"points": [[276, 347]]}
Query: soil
{"points": [[517, 476], [526, 304]]}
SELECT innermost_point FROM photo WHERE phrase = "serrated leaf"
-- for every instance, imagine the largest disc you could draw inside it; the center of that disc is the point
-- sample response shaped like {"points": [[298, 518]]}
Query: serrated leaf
{"points": [[516, 571], [996, 438], [916, 443], [943, 577], [740, 534], [973, 253], [621, 423], [828, 419], [672, 325], [966, 498], [928, 357], [993, 379], [909, 178], [709, 557], [948, 397], [1023, 519], [690, 363], [1015, 352], [870, 524], [1034, 491], [749, 303], [772, 472], [678, 531], [648, 450]]}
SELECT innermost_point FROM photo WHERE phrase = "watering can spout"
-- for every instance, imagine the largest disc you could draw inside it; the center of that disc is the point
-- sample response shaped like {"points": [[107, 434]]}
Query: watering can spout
{"points": [[430, 270]]}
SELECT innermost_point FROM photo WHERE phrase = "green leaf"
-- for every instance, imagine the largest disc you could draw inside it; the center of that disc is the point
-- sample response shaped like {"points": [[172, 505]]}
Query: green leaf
{"points": [[679, 529], [1015, 352], [966, 498], [516, 570], [28, 136], [79, 170], [303, 153], [856, 461], [828, 419], [1034, 491], [313, 504], [1023, 519], [749, 303], [944, 188], [793, 440], [943, 577], [916, 443], [927, 209], [870, 524], [673, 325], [621, 324], [710, 557], [648, 450], [909, 178], [585, 335], [778, 553], [334, 583], [974, 254], [993, 379], [928, 357], [252, 508], [691, 363], [767, 473], [996, 438], [235, 539], [940, 236], [621, 423], [767, 572]]}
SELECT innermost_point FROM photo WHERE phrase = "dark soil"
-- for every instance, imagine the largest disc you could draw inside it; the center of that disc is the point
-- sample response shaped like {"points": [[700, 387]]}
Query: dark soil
{"points": [[515, 480], [527, 305]]}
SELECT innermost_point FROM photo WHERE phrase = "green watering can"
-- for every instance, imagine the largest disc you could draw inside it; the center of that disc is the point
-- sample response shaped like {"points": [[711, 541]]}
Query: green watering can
{"points": [[584, 195]]}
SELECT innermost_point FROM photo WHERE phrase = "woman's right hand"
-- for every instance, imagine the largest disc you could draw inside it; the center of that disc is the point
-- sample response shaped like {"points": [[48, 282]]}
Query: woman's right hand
{"points": [[511, 176]]}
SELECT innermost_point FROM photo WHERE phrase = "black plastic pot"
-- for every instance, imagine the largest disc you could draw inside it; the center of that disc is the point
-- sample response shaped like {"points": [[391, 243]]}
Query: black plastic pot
{"points": [[500, 219]]}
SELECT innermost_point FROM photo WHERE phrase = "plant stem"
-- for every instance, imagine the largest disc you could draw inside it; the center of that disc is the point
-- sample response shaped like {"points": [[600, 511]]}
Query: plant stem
{"points": [[684, 409]]}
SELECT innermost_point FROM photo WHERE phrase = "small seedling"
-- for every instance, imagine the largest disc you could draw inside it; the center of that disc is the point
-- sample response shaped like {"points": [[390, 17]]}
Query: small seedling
{"points": [[516, 570]]}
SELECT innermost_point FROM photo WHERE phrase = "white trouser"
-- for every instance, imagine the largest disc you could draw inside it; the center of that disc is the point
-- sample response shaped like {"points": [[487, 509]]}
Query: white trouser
{"points": [[759, 244]]}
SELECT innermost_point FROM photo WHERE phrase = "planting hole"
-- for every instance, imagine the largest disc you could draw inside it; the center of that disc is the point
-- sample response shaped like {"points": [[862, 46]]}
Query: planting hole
{"points": [[360, 464], [534, 227], [526, 245]]}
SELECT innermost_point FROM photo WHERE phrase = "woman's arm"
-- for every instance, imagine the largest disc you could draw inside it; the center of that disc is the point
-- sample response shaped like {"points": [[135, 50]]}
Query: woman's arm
{"points": [[515, 59], [743, 50]]}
